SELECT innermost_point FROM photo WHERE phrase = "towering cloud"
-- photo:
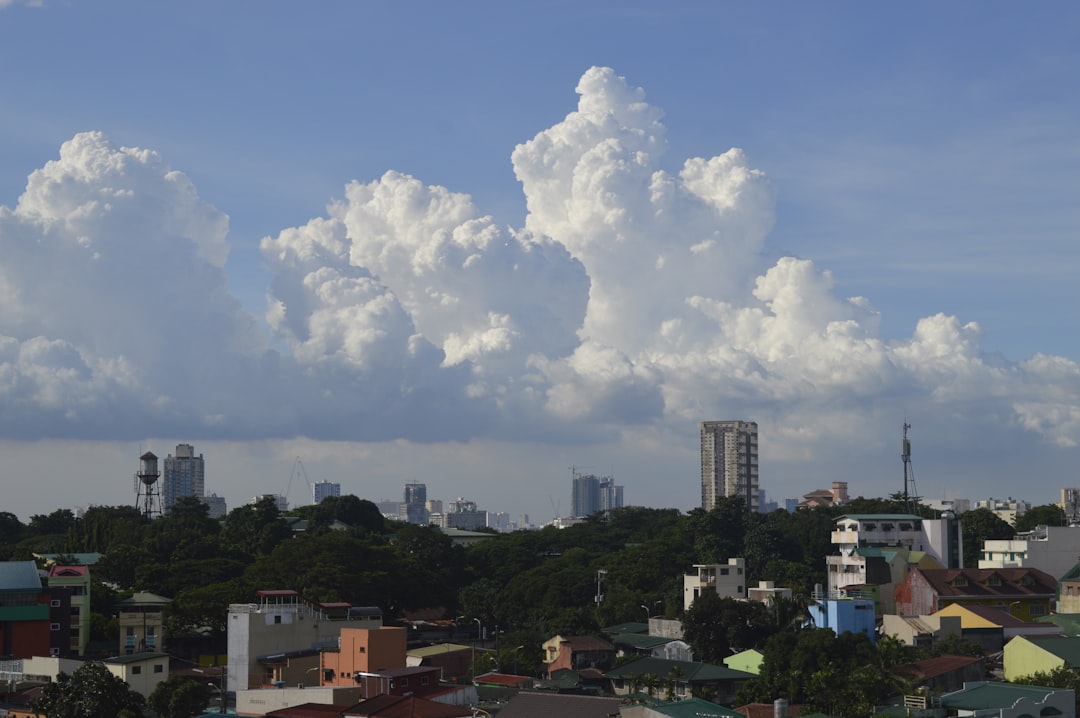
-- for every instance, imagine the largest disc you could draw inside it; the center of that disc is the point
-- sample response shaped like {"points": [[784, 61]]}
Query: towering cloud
{"points": [[636, 294]]}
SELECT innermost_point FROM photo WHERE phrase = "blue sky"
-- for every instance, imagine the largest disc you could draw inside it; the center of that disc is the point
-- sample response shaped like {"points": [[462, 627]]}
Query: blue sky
{"points": [[923, 157]]}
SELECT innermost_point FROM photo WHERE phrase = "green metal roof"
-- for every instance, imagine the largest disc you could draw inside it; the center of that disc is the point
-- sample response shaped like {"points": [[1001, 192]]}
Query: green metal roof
{"points": [[694, 707], [691, 672], [993, 695], [1067, 622], [638, 640], [1067, 648], [436, 650], [630, 627]]}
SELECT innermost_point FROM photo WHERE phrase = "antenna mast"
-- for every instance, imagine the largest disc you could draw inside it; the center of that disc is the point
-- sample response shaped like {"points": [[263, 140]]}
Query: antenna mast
{"points": [[910, 498]]}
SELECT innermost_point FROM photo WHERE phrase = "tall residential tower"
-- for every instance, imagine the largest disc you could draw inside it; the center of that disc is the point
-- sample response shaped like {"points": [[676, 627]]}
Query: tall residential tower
{"points": [[729, 462], [185, 475]]}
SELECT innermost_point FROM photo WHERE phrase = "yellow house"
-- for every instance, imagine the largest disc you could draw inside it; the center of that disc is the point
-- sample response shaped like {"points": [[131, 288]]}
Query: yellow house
{"points": [[1025, 655]]}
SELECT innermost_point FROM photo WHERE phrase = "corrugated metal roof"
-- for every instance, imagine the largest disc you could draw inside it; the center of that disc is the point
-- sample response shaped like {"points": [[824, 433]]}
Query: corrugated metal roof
{"points": [[19, 576]]}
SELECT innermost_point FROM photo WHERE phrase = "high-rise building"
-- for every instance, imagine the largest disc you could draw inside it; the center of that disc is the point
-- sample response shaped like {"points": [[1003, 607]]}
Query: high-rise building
{"points": [[414, 508], [590, 494], [321, 489], [729, 462], [185, 475]]}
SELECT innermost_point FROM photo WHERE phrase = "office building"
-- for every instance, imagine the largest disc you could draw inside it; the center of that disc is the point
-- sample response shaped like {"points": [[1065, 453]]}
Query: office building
{"points": [[184, 475], [321, 489], [414, 508], [729, 462], [591, 494]]}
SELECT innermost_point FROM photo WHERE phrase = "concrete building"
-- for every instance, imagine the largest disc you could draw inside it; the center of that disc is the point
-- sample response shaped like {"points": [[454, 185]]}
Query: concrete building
{"points": [[217, 509], [185, 475], [77, 580], [361, 652], [1053, 549], [464, 515], [843, 613], [414, 508], [591, 494], [1070, 504], [25, 625], [1005, 509], [279, 638], [321, 489], [767, 592], [726, 580], [142, 623], [729, 462], [142, 671]]}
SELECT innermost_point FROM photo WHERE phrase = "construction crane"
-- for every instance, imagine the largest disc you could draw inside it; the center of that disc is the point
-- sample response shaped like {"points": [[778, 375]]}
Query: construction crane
{"points": [[298, 468]]}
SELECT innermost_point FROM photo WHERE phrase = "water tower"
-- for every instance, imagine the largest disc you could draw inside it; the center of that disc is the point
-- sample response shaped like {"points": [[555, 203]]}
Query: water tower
{"points": [[146, 492]]}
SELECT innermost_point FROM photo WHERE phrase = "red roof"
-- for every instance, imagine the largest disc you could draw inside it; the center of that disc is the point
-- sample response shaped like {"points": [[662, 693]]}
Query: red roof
{"points": [[67, 571], [502, 679], [765, 710], [976, 582], [934, 667], [308, 710], [387, 706]]}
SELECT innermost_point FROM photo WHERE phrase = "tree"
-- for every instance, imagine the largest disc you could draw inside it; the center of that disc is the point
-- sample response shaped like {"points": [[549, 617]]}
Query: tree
{"points": [[715, 626], [90, 692], [1046, 515], [1060, 677], [981, 525], [179, 697]]}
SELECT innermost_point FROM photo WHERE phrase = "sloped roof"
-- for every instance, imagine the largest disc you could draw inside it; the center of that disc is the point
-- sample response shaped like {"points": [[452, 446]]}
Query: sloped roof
{"points": [[388, 706], [65, 571], [993, 695], [942, 579], [638, 640], [545, 705], [694, 708], [19, 576], [308, 710], [972, 616], [765, 710], [629, 627], [1069, 623], [692, 671], [939, 666], [585, 643], [438, 649], [1067, 648], [145, 598], [501, 679]]}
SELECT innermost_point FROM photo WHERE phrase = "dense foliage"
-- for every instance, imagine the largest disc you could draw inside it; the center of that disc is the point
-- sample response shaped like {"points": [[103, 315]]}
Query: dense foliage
{"points": [[91, 691]]}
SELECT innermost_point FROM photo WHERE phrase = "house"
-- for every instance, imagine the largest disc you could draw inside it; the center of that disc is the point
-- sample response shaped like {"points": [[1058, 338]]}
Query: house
{"points": [[493, 687], [77, 580], [843, 613], [405, 707], [991, 628], [726, 580], [142, 671], [675, 680], [142, 622], [452, 659], [748, 661], [637, 644], [689, 708], [1025, 655], [767, 592], [1024, 592], [1068, 597], [26, 627], [1052, 549], [987, 699], [279, 637], [920, 631], [261, 701], [361, 654], [577, 653], [546, 705], [945, 674]]}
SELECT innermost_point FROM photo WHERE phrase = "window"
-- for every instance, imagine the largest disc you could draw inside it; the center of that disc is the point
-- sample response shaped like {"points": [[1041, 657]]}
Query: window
{"points": [[54, 603], [1026, 580], [362, 649], [1037, 609], [129, 631], [993, 581], [404, 682], [423, 680], [723, 572], [54, 626], [54, 651], [159, 668], [277, 618], [136, 670], [960, 581]]}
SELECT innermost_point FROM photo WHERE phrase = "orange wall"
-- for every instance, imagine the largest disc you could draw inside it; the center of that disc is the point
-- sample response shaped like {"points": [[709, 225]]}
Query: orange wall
{"points": [[369, 650]]}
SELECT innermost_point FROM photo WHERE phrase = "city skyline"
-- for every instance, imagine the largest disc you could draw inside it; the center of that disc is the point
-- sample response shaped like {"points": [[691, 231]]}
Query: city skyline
{"points": [[407, 245]]}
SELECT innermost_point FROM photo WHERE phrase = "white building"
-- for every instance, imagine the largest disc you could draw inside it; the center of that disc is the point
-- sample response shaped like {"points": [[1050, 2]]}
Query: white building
{"points": [[185, 475], [726, 580], [217, 509], [1053, 549], [767, 592], [729, 462], [280, 501], [1005, 509], [321, 489]]}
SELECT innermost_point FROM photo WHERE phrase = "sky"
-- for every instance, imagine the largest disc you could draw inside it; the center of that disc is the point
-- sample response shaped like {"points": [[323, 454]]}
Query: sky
{"points": [[477, 244]]}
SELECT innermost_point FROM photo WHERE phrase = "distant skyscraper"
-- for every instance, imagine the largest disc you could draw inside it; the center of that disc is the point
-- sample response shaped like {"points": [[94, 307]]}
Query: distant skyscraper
{"points": [[321, 489], [414, 508], [590, 494], [729, 462], [185, 475], [216, 506]]}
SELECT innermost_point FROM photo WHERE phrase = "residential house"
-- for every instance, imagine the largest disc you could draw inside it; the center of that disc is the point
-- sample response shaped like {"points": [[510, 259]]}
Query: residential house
{"points": [[637, 644], [546, 705], [142, 622], [748, 661], [843, 612], [945, 674], [1052, 549], [767, 592], [689, 708], [26, 628], [991, 628], [987, 699], [676, 680], [1025, 655], [279, 638], [1024, 592], [452, 659], [387, 706], [142, 671], [77, 580], [1068, 597], [726, 580], [920, 631], [577, 653], [363, 653], [261, 701]]}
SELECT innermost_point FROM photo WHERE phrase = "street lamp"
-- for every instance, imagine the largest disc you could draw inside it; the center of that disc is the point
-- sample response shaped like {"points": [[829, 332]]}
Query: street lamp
{"points": [[515, 658], [648, 614], [479, 632]]}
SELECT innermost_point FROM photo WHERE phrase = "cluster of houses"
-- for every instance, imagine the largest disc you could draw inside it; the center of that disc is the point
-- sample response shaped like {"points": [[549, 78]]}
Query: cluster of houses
{"points": [[891, 574]]}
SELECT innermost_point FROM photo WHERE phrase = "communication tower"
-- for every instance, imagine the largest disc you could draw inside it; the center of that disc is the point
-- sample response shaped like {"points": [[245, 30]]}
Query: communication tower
{"points": [[147, 496], [910, 495]]}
